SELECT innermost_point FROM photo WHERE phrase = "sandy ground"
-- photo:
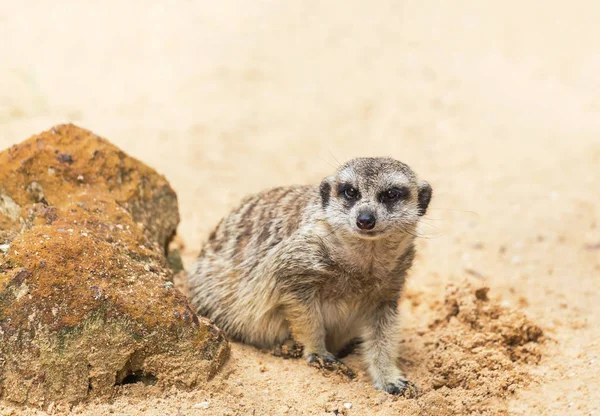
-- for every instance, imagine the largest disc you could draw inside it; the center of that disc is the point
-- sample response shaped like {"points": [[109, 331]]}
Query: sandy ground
{"points": [[497, 104]]}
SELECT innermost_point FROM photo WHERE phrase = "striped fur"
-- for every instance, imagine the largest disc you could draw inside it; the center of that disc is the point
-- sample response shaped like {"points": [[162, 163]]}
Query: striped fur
{"points": [[291, 262]]}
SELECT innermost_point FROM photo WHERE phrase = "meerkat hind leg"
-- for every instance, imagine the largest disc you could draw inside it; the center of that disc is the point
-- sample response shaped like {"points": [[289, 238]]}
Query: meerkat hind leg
{"points": [[350, 348]]}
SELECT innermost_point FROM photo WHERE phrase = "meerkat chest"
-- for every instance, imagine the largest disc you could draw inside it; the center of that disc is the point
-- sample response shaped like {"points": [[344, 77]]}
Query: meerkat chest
{"points": [[366, 275], [351, 287]]}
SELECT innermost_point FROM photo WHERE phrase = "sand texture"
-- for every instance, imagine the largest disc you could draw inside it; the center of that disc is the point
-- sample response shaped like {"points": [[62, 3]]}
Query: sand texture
{"points": [[496, 104]]}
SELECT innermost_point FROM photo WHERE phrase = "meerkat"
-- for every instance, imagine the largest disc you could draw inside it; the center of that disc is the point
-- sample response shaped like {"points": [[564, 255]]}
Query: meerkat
{"points": [[322, 265]]}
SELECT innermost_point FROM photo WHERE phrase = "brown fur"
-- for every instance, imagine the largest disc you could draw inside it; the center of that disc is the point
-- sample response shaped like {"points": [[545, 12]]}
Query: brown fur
{"points": [[292, 261]]}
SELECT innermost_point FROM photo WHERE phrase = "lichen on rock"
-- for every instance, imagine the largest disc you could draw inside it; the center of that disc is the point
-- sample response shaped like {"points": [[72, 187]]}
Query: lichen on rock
{"points": [[85, 299]]}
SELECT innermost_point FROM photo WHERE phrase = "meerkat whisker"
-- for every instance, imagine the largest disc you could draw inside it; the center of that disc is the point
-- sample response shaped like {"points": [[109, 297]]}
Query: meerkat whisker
{"points": [[326, 161], [334, 158], [462, 211]]}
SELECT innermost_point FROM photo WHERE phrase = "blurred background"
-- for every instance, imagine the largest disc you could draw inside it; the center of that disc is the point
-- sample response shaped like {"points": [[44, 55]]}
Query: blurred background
{"points": [[497, 104]]}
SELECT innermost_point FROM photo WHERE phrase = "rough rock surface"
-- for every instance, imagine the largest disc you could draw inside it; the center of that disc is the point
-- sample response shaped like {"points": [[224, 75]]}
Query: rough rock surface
{"points": [[86, 298]]}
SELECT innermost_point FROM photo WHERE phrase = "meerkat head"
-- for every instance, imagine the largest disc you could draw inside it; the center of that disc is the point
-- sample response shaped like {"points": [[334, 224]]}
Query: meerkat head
{"points": [[374, 197]]}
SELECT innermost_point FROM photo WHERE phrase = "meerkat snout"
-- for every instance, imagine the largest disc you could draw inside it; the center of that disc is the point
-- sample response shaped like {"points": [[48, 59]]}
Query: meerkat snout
{"points": [[366, 221]]}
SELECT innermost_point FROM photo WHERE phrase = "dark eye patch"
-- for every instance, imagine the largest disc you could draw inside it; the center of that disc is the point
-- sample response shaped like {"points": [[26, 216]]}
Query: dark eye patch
{"points": [[348, 192], [394, 194]]}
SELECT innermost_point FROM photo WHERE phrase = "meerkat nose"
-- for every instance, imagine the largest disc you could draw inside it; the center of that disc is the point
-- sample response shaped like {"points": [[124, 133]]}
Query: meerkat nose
{"points": [[366, 221]]}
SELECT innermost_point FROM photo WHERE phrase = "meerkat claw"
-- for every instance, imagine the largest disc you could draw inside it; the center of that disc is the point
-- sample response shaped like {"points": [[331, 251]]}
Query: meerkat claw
{"points": [[402, 387], [289, 349], [330, 363]]}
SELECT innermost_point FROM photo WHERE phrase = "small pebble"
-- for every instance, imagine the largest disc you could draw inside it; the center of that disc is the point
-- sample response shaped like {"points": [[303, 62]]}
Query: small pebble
{"points": [[4, 248], [593, 246], [47, 237], [168, 284], [80, 178], [202, 405], [347, 405], [474, 272], [84, 234]]}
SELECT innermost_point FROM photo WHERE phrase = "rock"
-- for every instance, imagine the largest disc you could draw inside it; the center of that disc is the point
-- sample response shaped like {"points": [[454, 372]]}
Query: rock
{"points": [[84, 304]]}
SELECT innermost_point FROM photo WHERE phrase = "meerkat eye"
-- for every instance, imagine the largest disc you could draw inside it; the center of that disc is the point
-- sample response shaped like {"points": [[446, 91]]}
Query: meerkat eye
{"points": [[393, 194], [350, 193]]}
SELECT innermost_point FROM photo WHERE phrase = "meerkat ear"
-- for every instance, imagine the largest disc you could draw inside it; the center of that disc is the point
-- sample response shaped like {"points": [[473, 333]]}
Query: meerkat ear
{"points": [[325, 190], [424, 197]]}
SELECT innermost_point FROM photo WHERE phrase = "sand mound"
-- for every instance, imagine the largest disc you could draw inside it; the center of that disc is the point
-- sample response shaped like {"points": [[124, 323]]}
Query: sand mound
{"points": [[474, 353]]}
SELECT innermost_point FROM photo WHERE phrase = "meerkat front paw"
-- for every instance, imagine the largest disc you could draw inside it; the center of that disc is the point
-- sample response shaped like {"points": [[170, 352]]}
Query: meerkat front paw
{"points": [[400, 386], [329, 362]]}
